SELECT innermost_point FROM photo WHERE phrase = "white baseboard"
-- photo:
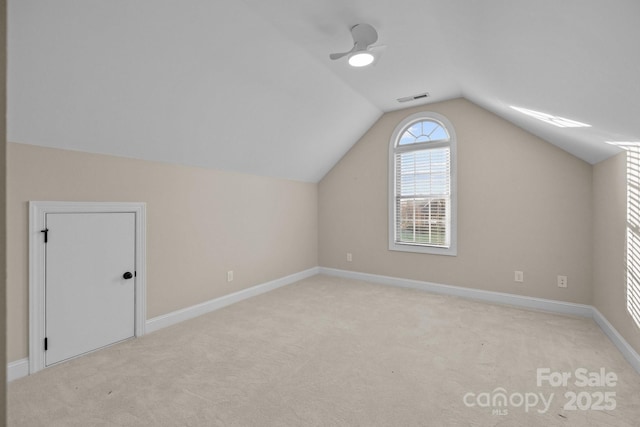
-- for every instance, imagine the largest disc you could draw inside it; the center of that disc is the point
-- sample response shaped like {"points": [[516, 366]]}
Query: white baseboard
{"points": [[17, 369], [178, 316], [476, 294], [20, 368], [627, 351], [552, 306]]}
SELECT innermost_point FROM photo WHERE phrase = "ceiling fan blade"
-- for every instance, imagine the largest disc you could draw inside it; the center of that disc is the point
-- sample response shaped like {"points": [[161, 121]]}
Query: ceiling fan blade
{"points": [[364, 35], [335, 56]]}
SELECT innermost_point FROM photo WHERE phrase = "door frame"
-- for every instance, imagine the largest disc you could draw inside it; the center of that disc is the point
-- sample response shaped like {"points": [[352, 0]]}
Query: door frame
{"points": [[37, 216]]}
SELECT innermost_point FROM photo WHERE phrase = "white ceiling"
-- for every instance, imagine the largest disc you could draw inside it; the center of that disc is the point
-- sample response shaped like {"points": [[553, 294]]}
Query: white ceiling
{"points": [[247, 85]]}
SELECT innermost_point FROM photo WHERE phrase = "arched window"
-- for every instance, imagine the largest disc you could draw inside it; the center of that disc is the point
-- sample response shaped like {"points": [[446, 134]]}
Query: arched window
{"points": [[422, 185]]}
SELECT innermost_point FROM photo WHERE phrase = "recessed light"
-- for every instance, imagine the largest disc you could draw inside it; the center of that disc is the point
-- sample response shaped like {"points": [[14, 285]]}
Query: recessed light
{"points": [[558, 121]]}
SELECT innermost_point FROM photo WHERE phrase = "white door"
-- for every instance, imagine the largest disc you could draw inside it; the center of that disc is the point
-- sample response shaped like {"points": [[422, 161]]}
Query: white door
{"points": [[89, 303]]}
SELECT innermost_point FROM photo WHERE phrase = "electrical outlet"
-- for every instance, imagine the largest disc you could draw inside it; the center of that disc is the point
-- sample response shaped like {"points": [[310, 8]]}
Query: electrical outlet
{"points": [[230, 276], [349, 257], [518, 276], [562, 281]]}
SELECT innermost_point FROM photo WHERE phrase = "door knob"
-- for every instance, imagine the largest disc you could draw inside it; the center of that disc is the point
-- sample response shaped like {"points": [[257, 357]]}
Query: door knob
{"points": [[127, 275]]}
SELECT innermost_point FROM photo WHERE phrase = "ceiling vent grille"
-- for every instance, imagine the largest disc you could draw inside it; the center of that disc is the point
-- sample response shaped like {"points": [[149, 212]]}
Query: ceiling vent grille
{"points": [[414, 97]]}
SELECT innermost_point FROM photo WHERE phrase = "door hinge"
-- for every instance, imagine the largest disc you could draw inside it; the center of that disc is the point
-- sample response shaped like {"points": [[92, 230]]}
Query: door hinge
{"points": [[46, 344], [46, 234]]}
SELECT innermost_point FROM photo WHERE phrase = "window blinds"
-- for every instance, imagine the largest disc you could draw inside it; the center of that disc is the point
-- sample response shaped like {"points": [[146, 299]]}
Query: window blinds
{"points": [[423, 196]]}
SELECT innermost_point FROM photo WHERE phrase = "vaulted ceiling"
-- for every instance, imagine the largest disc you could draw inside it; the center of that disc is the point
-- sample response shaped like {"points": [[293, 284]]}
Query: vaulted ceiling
{"points": [[247, 85]]}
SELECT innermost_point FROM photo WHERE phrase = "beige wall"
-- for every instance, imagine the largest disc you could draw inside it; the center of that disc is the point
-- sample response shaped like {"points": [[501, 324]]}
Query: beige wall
{"points": [[523, 204], [609, 265], [200, 223]]}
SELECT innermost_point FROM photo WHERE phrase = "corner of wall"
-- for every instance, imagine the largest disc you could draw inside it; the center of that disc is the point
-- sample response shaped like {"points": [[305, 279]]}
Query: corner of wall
{"points": [[541, 193], [609, 265]]}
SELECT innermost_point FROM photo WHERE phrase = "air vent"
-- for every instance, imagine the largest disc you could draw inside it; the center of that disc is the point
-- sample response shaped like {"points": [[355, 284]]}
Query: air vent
{"points": [[414, 97]]}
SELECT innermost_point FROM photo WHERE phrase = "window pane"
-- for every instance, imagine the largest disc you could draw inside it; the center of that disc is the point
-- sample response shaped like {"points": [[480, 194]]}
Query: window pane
{"points": [[423, 197], [423, 172], [439, 134], [422, 221], [423, 131], [428, 127], [416, 129], [406, 138]]}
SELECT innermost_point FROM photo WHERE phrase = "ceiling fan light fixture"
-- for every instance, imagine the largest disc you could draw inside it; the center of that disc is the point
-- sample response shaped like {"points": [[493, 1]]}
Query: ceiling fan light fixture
{"points": [[361, 59], [364, 36]]}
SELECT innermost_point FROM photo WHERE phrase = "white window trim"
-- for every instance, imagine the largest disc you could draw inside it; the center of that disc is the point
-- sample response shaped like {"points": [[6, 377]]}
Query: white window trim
{"points": [[452, 250]]}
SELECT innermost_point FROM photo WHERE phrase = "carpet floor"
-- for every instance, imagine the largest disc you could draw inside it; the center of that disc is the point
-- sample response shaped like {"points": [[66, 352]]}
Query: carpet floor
{"points": [[335, 352]]}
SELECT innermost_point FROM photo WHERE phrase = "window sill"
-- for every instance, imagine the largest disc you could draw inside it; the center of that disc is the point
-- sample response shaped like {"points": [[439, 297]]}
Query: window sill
{"points": [[433, 250]]}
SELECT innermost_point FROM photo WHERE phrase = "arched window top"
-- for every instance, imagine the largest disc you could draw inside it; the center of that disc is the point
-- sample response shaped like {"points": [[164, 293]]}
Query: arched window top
{"points": [[426, 130]]}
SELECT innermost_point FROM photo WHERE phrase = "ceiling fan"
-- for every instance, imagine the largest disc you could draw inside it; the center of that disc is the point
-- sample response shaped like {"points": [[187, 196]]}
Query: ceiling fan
{"points": [[364, 36]]}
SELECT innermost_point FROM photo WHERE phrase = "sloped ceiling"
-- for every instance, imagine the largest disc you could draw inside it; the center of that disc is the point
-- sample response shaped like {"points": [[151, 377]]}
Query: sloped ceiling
{"points": [[247, 85]]}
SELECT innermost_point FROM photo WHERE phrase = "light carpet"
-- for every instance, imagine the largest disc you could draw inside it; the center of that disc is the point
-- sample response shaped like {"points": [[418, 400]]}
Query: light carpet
{"points": [[334, 352]]}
